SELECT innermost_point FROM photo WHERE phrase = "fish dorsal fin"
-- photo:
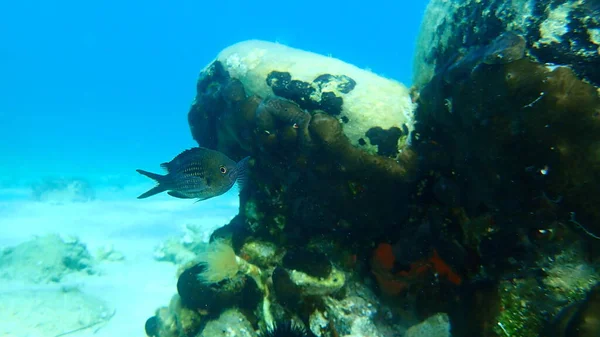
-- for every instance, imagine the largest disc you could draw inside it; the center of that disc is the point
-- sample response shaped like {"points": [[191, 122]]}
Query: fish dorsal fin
{"points": [[166, 167], [181, 158], [192, 151]]}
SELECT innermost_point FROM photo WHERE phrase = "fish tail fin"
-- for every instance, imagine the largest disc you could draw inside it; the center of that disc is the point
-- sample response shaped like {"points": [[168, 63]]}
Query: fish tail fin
{"points": [[155, 190], [242, 173]]}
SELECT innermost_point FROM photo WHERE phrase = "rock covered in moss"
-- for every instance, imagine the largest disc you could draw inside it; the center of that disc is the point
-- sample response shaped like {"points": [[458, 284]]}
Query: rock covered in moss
{"points": [[261, 253], [310, 285], [182, 318], [164, 323], [306, 273], [244, 109], [292, 286], [520, 138], [508, 110], [529, 303], [213, 298], [569, 276], [307, 261], [45, 259], [558, 32]]}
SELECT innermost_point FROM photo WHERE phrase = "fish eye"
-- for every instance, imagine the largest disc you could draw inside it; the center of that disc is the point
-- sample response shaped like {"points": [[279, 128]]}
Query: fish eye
{"points": [[295, 126], [223, 169]]}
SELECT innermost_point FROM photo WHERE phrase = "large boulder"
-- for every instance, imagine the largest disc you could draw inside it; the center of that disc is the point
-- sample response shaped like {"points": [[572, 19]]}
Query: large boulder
{"points": [[328, 139], [508, 118]]}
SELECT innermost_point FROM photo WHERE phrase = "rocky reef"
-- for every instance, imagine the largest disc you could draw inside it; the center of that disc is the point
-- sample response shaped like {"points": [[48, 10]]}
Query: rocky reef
{"points": [[464, 206]]}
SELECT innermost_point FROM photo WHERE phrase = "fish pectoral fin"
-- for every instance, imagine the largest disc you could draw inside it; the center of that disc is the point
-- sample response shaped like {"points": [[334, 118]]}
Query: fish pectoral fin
{"points": [[178, 195]]}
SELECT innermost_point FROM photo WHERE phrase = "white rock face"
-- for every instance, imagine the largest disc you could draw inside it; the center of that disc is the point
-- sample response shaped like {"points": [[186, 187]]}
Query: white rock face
{"points": [[375, 101]]}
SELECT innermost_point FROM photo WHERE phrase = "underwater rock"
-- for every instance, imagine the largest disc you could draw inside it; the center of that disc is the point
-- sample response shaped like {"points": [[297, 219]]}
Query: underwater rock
{"points": [[437, 325], [386, 140], [292, 284], [175, 251], [108, 253], [46, 259], [152, 327], [520, 139], [230, 323], [353, 316], [213, 298], [200, 309], [312, 263], [358, 313], [523, 300], [274, 104], [61, 190], [310, 285], [508, 131], [580, 319], [182, 250], [171, 321], [564, 33], [317, 82], [447, 192], [261, 253]]}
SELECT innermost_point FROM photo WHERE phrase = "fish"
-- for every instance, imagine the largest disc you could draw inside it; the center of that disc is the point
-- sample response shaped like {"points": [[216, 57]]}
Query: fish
{"points": [[506, 48], [198, 173]]}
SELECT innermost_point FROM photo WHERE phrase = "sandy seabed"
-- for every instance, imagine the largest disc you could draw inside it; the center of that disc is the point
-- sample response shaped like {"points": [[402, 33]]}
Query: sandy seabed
{"points": [[121, 295]]}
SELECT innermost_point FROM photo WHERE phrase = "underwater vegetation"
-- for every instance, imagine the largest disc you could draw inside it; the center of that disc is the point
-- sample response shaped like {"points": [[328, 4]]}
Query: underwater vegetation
{"points": [[466, 205]]}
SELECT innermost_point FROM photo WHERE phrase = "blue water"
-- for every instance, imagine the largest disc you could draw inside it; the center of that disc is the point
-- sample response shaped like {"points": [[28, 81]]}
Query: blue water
{"points": [[97, 89]]}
